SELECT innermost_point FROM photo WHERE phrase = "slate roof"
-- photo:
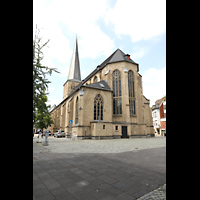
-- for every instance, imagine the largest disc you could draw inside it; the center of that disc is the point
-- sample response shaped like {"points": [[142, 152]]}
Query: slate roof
{"points": [[117, 56], [102, 85]]}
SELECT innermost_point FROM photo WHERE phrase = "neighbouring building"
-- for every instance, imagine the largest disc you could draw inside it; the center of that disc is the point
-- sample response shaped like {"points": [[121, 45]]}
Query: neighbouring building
{"points": [[159, 117], [108, 103], [162, 111]]}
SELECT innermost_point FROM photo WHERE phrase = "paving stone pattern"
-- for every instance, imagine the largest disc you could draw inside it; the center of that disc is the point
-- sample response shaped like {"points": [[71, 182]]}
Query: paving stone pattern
{"points": [[103, 176], [157, 194], [65, 145]]}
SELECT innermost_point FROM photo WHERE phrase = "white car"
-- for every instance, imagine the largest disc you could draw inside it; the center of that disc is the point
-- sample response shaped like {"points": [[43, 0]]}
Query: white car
{"points": [[59, 133]]}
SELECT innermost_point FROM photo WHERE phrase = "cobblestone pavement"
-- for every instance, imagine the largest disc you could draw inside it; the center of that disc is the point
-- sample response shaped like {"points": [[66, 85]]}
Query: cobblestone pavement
{"points": [[65, 145], [120, 169], [157, 194]]}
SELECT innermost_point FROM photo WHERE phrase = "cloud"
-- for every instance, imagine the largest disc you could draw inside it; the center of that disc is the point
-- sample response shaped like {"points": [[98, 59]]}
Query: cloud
{"points": [[58, 51], [93, 43], [139, 52], [60, 19], [52, 101], [142, 20], [154, 84]]}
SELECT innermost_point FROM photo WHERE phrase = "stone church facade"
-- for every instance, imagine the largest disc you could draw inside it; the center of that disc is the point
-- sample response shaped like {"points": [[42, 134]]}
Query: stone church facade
{"points": [[108, 103]]}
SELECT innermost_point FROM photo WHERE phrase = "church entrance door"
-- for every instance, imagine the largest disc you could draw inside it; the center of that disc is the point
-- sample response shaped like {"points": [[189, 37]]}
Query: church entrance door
{"points": [[124, 132]]}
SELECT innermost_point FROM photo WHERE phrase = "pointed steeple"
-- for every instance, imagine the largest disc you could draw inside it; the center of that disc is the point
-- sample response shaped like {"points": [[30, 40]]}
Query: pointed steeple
{"points": [[74, 70]]}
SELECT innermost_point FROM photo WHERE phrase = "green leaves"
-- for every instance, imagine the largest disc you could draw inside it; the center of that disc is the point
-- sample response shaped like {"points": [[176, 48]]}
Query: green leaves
{"points": [[41, 116]]}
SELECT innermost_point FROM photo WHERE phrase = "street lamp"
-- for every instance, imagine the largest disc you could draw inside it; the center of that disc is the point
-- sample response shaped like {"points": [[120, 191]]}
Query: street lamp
{"points": [[99, 127]]}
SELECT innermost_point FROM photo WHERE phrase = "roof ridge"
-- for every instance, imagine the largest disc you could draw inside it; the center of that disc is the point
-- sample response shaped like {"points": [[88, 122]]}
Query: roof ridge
{"points": [[109, 58]]}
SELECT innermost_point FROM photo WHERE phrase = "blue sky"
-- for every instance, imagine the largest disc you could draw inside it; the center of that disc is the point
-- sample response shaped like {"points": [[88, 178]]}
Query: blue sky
{"points": [[136, 27]]}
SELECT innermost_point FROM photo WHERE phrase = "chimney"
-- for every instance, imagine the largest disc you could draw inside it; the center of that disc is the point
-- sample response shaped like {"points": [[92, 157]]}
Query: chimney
{"points": [[127, 56]]}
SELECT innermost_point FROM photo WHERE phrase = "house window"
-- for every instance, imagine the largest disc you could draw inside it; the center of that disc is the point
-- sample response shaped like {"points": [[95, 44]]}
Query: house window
{"points": [[98, 107], [116, 128], [117, 100], [76, 120], [131, 92], [104, 126]]}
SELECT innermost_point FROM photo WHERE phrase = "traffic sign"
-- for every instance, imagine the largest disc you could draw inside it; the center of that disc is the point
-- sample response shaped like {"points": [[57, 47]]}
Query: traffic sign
{"points": [[70, 121]]}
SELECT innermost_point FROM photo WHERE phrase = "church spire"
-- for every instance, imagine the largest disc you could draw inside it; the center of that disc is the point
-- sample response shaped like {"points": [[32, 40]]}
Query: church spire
{"points": [[74, 70]]}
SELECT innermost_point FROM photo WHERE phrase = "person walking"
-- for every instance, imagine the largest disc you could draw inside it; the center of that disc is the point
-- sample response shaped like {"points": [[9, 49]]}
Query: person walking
{"points": [[39, 136]]}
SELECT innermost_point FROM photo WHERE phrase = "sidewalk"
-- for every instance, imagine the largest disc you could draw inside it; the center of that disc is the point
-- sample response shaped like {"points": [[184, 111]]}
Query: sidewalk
{"points": [[102, 176]]}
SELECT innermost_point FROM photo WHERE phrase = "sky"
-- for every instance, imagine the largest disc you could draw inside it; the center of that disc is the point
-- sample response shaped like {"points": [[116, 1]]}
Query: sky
{"points": [[136, 27]]}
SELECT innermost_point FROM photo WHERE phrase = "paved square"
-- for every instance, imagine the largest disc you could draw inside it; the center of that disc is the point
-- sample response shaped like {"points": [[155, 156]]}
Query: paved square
{"points": [[61, 172]]}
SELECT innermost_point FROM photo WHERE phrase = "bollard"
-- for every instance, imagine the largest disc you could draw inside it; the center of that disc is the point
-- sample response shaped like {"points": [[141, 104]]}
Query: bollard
{"points": [[46, 139]]}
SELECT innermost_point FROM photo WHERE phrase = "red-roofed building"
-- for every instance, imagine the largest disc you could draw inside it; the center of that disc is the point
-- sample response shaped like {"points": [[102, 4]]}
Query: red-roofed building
{"points": [[159, 117], [162, 111]]}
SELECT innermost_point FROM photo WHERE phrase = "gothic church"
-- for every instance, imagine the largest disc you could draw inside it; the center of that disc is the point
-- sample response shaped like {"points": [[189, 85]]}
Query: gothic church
{"points": [[108, 103]]}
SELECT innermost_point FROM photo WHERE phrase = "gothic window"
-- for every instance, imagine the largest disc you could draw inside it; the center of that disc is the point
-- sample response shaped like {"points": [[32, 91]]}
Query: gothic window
{"points": [[68, 107], [98, 107], [95, 79], [117, 100], [131, 92], [76, 119]]}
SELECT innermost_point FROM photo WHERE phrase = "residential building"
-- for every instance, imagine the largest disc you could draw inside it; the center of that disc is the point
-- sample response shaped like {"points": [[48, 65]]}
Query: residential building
{"points": [[158, 115], [162, 111]]}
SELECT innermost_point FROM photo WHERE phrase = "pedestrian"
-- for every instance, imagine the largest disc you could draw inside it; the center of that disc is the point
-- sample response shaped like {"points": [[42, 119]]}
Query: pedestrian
{"points": [[41, 133], [39, 136]]}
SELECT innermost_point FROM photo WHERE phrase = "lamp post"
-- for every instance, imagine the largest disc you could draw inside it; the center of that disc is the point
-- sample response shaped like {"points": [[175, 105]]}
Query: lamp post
{"points": [[99, 127]]}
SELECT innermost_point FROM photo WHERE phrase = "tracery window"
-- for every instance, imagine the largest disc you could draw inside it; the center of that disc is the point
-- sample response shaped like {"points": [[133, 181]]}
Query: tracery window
{"points": [[131, 91], [117, 100], [98, 107], [95, 79], [76, 118]]}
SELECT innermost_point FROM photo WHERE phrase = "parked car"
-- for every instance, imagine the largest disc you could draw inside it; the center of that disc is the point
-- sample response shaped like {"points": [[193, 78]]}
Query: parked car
{"points": [[59, 133]]}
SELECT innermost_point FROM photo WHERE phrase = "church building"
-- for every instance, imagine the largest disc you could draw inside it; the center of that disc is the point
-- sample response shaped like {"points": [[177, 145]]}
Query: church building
{"points": [[108, 103]]}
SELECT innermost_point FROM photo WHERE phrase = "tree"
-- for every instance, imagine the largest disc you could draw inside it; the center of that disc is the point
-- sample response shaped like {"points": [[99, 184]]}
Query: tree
{"points": [[43, 117], [40, 82]]}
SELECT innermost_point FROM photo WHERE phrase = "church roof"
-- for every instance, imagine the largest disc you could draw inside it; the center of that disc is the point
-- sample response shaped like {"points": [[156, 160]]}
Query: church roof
{"points": [[117, 56], [74, 70], [102, 85]]}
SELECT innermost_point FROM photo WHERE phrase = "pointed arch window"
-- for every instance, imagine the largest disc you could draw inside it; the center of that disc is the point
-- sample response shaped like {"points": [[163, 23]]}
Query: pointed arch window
{"points": [[98, 107], [131, 92], [76, 118], [95, 79], [117, 100]]}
